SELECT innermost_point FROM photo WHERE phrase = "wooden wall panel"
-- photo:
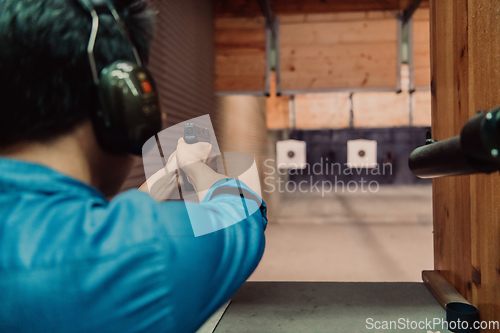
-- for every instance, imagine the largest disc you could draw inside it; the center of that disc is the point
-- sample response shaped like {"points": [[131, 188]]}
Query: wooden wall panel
{"points": [[465, 72], [278, 112], [233, 8], [327, 110], [335, 17], [381, 109], [340, 52], [240, 54], [451, 196], [421, 108], [484, 65], [277, 107], [421, 49], [332, 110]]}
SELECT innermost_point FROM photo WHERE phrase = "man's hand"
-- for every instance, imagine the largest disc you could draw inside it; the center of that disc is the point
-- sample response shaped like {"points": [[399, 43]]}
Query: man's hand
{"points": [[187, 154], [164, 184], [193, 159]]}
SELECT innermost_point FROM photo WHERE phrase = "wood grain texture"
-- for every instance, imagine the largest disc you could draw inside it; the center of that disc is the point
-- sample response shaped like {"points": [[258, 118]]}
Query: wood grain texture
{"points": [[240, 54], [239, 8], [339, 53], [421, 49], [421, 108], [336, 17], [381, 109], [484, 86], [450, 195], [277, 107], [377, 109], [465, 72], [317, 111]]}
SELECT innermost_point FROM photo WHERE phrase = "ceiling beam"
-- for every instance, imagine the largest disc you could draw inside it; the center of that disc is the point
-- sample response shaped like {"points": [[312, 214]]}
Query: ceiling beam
{"points": [[408, 12], [268, 14]]}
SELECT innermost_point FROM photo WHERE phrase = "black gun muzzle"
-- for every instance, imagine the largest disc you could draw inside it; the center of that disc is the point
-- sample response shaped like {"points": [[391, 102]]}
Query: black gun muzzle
{"points": [[475, 150]]}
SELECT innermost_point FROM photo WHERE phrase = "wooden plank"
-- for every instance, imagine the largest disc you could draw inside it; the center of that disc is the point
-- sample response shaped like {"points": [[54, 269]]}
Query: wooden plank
{"points": [[421, 49], [248, 8], [240, 23], [240, 65], [278, 112], [465, 67], [484, 88], [421, 108], [240, 54], [318, 6], [450, 195], [335, 17], [277, 107], [381, 109], [316, 111], [331, 67], [462, 255], [338, 32], [339, 54], [421, 14], [237, 84]]}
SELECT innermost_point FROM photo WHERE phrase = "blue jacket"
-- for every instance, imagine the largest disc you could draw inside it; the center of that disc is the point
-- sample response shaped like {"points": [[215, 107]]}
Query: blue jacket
{"points": [[70, 261]]}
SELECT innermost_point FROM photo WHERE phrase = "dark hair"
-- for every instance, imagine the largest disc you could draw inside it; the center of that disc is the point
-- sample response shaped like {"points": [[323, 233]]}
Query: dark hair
{"points": [[46, 86]]}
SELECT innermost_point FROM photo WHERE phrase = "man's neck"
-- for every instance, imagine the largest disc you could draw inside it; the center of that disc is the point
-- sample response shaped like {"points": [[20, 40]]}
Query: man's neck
{"points": [[66, 154], [77, 155]]}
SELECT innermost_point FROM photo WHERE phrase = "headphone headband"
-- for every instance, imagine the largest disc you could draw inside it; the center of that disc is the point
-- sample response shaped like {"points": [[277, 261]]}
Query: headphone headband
{"points": [[93, 6], [129, 113]]}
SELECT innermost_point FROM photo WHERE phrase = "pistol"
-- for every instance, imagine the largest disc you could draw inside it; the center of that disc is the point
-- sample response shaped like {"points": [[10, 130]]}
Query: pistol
{"points": [[194, 134]]}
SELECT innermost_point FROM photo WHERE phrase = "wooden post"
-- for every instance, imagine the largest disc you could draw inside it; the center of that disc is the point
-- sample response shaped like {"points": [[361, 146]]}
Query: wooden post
{"points": [[465, 75]]}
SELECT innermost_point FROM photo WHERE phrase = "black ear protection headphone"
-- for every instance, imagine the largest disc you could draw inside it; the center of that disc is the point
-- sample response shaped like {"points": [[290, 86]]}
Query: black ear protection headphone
{"points": [[129, 112]]}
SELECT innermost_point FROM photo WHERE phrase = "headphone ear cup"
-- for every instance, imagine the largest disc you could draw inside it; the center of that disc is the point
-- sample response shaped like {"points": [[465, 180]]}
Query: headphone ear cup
{"points": [[130, 113]]}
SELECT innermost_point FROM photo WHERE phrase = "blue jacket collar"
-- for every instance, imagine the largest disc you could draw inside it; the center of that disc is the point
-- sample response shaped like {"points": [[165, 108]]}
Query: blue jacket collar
{"points": [[17, 175]]}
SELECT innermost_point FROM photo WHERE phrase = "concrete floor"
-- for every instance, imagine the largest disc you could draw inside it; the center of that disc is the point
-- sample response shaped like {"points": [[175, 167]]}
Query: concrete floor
{"points": [[372, 237]]}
